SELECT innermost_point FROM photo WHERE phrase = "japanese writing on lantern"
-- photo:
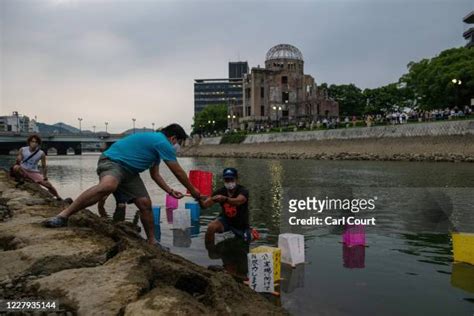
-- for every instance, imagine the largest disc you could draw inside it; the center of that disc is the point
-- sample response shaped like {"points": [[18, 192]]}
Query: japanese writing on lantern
{"points": [[261, 272]]}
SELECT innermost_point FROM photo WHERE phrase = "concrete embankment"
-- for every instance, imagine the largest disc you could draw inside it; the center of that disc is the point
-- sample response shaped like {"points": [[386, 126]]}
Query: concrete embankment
{"points": [[94, 267], [439, 141]]}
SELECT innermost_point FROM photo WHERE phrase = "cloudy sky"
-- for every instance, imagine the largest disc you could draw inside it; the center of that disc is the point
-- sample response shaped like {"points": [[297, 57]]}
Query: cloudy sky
{"points": [[117, 60]]}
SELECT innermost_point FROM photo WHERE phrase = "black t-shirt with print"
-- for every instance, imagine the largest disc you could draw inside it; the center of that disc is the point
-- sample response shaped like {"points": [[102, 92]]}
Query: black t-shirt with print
{"points": [[237, 216]]}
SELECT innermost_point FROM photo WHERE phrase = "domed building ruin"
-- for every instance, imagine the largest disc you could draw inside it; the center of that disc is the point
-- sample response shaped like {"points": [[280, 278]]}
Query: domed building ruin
{"points": [[281, 93]]}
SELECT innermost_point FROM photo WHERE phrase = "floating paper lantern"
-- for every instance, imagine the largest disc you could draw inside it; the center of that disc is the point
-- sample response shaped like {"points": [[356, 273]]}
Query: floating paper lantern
{"points": [[276, 253], [463, 247], [156, 214], [292, 248], [354, 235], [181, 219], [195, 210]]}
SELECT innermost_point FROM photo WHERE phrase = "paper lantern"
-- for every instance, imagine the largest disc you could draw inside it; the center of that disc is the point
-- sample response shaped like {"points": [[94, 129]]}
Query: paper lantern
{"points": [[195, 210], [156, 214], [354, 235], [292, 248], [171, 202], [202, 180], [181, 219], [260, 267], [276, 253], [463, 247]]}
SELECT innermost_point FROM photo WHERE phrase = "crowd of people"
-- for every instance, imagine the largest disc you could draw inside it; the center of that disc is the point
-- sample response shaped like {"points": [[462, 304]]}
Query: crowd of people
{"points": [[393, 117]]}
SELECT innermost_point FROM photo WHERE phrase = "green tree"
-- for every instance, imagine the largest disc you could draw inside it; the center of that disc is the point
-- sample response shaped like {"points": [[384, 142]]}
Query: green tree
{"points": [[430, 80], [386, 98], [350, 98], [213, 118]]}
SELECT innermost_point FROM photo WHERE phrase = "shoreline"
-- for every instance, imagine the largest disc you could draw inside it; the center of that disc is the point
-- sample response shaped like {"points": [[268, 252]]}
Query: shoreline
{"points": [[93, 266], [445, 148]]}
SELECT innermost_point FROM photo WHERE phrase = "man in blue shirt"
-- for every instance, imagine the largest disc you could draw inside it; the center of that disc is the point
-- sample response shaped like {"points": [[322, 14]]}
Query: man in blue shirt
{"points": [[119, 168]]}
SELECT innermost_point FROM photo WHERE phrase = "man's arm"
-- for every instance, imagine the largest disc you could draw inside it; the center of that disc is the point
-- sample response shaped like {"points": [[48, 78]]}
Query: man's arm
{"points": [[182, 177], [208, 202], [239, 200], [156, 176]]}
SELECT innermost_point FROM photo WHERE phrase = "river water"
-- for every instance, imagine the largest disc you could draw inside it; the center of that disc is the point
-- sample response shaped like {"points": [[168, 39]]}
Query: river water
{"points": [[406, 267]]}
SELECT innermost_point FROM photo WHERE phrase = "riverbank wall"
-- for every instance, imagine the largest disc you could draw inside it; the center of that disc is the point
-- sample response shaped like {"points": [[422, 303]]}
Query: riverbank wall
{"points": [[436, 141], [95, 267]]}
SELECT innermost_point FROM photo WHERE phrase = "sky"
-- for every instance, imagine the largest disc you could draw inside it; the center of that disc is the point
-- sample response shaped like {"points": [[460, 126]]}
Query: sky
{"points": [[111, 61]]}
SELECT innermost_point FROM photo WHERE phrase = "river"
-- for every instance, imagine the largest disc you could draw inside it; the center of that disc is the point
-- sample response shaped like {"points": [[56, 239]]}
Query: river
{"points": [[407, 266]]}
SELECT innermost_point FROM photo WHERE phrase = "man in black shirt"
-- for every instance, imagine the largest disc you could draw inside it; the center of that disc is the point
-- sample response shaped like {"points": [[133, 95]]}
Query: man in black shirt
{"points": [[234, 215]]}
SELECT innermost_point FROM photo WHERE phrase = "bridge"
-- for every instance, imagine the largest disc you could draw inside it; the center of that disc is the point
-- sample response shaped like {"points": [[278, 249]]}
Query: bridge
{"points": [[61, 142]]}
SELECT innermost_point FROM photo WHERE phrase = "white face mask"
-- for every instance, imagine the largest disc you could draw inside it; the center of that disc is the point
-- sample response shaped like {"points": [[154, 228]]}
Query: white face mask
{"points": [[177, 147], [230, 185]]}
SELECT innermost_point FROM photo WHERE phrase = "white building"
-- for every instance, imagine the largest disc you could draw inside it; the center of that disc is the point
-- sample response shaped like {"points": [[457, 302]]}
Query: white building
{"points": [[17, 123]]}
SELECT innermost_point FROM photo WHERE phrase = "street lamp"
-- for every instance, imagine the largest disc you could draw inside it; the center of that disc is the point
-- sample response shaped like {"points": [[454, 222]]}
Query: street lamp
{"points": [[457, 83], [134, 125], [277, 109], [80, 120], [106, 123], [153, 125]]}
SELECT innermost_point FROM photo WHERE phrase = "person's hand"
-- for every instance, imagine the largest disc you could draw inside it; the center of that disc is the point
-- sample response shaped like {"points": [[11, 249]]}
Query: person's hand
{"points": [[176, 194], [219, 198], [196, 194]]}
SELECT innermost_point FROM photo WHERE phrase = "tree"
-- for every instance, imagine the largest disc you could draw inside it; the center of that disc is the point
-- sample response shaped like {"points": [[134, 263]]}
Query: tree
{"points": [[350, 98], [430, 80], [213, 118], [386, 98]]}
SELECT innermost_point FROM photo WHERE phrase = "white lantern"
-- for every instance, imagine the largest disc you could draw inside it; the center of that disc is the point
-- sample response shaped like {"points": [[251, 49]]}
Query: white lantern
{"points": [[181, 219], [292, 248]]}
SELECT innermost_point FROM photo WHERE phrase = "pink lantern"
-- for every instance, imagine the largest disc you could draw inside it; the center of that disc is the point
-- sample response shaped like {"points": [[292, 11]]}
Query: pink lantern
{"points": [[171, 202], [354, 235]]}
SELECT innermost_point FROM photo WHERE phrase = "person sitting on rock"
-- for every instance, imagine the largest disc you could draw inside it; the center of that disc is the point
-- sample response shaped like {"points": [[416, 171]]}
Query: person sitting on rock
{"points": [[26, 166], [234, 216], [119, 169]]}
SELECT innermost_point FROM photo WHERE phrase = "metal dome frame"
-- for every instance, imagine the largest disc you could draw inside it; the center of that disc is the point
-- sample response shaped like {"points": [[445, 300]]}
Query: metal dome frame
{"points": [[284, 51]]}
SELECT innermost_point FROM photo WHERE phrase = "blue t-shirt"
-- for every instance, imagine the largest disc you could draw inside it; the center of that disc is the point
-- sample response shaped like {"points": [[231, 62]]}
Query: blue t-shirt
{"points": [[141, 151]]}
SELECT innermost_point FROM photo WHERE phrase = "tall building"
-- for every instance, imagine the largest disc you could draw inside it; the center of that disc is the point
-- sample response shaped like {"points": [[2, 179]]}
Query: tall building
{"points": [[238, 69], [469, 32], [281, 93], [221, 91]]}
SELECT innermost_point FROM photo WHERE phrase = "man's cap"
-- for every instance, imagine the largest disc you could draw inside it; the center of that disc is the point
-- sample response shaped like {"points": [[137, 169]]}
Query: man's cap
{"points": [[229, 173]]}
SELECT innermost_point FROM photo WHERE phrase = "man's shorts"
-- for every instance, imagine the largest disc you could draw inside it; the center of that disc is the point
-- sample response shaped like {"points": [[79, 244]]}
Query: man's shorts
{"points": [[224, 223], [34, 176], [246, 234], [130, 186]]}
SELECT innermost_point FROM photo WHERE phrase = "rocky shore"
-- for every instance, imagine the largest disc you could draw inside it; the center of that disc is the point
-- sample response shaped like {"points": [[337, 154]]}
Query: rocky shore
{"points": [[94, 267], [454, 148]]}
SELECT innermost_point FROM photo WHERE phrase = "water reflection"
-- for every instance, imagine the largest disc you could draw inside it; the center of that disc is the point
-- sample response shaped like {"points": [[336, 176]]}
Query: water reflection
{"points": [[353, 257], [233, 252], [462, 276], [182, 237], [292, 278]]}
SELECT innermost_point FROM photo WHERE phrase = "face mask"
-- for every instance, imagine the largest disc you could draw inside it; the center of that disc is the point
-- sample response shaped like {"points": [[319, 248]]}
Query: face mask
{"points": [[230, 185], [177, 147]]}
